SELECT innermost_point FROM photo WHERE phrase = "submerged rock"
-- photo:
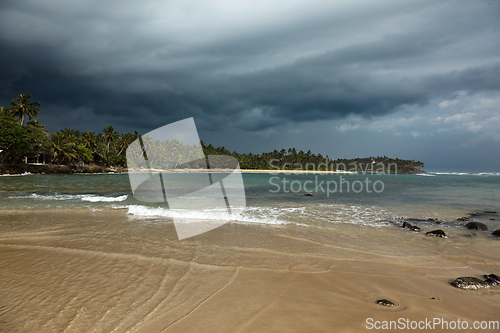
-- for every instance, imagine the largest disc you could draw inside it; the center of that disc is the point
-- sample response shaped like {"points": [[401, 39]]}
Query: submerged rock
{"points": [[492, 279], [384, 302], [437, 233], [437, 221], [463, 219], [417, 220], [408, 226], [476, 226], [470, 283], [496, 233], [308, 195]]}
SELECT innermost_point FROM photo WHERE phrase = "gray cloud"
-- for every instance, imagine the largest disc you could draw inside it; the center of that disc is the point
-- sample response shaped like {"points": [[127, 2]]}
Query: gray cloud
{"points": [[251, 67]]}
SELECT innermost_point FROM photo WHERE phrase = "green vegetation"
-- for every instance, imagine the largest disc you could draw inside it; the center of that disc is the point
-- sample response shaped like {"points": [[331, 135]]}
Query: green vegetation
{"points": [[22, 142], [21, 106], [169, 154], [292, 159], [13, 139]]}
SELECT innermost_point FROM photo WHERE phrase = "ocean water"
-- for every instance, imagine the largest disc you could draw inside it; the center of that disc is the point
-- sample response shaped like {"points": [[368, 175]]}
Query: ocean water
{"points": [[284, 200], [78, 253]]}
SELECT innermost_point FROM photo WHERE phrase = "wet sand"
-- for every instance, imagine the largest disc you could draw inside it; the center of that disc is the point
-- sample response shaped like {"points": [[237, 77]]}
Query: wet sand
{"points": [[81, 271]]}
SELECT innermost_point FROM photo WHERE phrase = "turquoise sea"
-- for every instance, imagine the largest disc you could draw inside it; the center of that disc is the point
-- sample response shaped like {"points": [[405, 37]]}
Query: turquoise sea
{"points": [[280, 199]]}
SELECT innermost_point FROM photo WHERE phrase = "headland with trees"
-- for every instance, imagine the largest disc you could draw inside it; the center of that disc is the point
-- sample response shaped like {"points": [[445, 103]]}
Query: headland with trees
{"points": [[26, 146]]}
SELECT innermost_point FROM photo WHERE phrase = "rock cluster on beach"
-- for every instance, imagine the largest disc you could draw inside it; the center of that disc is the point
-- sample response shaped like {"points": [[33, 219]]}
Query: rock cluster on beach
{"points": [[384, 302], [473, 283], [470, 283], [437, 233], [416, 224], [466, 283]]}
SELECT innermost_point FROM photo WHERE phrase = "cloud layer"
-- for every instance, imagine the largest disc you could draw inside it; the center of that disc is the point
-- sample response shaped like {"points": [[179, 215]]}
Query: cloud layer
{"points": [[246, 65]]}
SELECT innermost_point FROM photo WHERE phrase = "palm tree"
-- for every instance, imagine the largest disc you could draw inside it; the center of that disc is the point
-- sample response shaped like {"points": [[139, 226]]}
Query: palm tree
{"points": [[88, 139], [21, 106], [67, 148], [68, 132], [124, 141], [109, 135], [61, 149]]}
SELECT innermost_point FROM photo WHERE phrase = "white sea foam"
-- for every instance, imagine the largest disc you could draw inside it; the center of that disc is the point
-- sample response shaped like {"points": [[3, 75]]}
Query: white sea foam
{"points": [[299, 216], [451, 173], [36, 196], [17, 175], [97, 198], [71, 197], [186, 214], [204, 215], [466, 173], [426, 174]]}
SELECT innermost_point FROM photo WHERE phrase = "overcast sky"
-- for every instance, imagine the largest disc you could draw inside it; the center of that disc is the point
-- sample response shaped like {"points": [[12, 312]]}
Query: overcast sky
{"points": [[408, 79]]}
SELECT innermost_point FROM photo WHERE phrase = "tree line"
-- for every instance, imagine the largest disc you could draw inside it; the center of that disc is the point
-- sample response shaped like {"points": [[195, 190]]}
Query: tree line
{"points": [[291, 159], [22, 141], [30, 141]]}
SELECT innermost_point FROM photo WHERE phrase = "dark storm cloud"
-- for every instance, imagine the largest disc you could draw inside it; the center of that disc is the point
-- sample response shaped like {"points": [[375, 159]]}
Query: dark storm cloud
{"points": [[143, 65]]}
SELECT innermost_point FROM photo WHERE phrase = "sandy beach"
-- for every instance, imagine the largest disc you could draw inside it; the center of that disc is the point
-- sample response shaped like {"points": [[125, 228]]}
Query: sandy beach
{"points": [[274, 171], [80, 271]]}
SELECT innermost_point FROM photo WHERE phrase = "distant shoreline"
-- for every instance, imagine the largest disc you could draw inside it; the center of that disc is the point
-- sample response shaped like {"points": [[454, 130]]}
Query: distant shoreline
{"points": [[72, 169], [274, 171], [16, 169]]}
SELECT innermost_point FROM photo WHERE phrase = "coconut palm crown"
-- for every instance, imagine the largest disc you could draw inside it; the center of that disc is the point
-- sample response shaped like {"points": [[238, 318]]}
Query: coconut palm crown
{"points": [[21, 106]]}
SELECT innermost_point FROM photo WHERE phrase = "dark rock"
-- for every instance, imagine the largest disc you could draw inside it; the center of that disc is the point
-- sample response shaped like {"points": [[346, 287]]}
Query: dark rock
{"points": [[308, 195], [476, 226], [434, 220], [492, 219], [492, 279], [470, 283], [463, 219], [384, 302], [417, 220], [496, 233], [436, 233], [408, 226]]}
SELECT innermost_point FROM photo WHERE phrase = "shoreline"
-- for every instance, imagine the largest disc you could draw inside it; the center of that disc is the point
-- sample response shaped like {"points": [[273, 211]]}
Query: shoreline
{"points": [[19, 169]]}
